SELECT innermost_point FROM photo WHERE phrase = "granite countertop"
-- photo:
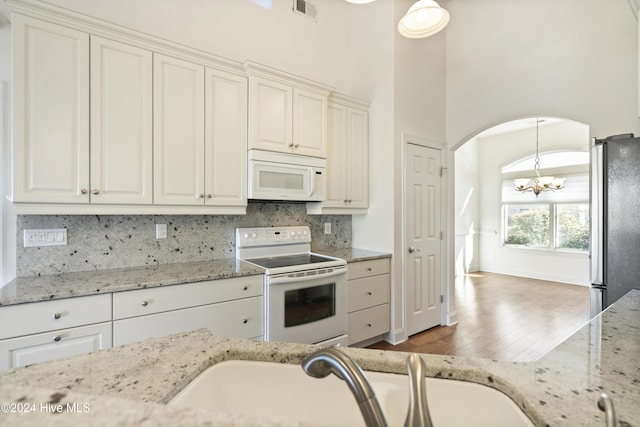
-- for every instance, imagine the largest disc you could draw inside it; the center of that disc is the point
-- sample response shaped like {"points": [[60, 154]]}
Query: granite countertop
{"points": [[66, 285], [130, 385]]}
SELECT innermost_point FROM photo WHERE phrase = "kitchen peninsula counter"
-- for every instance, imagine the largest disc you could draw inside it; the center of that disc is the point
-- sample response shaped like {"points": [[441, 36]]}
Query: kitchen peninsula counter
{"points": [[129, 385]]}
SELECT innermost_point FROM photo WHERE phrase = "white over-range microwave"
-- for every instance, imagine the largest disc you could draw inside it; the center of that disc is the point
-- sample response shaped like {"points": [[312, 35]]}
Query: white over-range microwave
{"points": [[280, 176]]}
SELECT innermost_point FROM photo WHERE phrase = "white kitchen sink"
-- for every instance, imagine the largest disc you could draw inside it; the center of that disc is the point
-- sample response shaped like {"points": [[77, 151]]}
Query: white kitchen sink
{"points": [[285, 392]]}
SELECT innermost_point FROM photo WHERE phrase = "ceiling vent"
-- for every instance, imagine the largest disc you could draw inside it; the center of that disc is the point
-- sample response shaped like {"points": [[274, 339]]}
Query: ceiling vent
{"points": [[308, 9]]}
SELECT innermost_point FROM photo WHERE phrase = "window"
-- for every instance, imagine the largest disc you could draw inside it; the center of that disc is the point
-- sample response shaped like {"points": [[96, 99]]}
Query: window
{"points": [[556, 220]]}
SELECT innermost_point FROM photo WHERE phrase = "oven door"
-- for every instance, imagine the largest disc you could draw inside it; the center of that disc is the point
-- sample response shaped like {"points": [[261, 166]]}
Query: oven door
{"points": [[306, 307]]}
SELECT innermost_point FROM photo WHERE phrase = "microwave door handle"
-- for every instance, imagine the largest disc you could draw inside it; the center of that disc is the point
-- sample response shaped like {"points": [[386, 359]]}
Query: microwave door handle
{"points": [[286, 279], [312, 183]]}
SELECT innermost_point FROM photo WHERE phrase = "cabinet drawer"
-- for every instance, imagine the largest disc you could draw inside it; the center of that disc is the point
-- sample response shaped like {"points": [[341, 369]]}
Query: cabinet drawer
{"points": [[156, 300], [368, 323], [368, 268], [54, 345], [238, 319], [368, 292], [32, 318]]}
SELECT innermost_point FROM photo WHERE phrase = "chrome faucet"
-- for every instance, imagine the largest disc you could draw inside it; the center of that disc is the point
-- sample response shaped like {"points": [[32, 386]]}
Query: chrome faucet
{"points": [[330, 360]]}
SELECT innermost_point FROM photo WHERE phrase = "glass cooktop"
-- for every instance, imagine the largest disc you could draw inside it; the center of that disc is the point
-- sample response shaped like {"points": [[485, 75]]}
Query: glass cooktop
{"points": [[289, 260]]}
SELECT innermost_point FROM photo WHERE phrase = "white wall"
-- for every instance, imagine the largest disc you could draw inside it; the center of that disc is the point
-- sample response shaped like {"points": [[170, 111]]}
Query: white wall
{"points": [[509, 59], [467, 209], [496, 151]]}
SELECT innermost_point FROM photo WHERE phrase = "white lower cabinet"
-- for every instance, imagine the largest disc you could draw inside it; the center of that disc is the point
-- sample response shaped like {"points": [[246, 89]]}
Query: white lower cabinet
{"points": [[238, 319], [42, 331], [368, 308], [54, 345], [228, 307]]}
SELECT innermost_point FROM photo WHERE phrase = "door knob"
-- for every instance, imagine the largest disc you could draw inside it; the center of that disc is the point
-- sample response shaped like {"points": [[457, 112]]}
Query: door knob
{"points": [[413, 249]]}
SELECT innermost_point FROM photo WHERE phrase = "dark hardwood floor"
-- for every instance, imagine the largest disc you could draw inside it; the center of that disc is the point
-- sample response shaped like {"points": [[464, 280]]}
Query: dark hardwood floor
{"points": [[504, 317]]}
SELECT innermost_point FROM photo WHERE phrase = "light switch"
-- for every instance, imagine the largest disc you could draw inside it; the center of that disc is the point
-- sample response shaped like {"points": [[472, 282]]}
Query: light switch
{"points": [[45, 237], [161, 231]]}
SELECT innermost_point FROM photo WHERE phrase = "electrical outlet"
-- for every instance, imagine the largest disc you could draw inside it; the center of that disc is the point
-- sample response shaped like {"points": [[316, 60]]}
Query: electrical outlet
{"points": [[42, 237], [327, 228], [161, 231]]}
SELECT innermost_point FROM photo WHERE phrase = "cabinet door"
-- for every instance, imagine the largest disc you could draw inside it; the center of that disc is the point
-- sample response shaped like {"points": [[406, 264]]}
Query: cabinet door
{"points": [[358, 155], [121, 123], [271, 115], [225, 139], [50, 112], [309, 123], [336, 156], [240, 318], [54, 345], [178, 91]]}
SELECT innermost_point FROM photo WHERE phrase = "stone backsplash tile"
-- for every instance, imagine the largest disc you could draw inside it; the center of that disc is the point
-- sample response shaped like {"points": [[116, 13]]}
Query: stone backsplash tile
{"points": [[98, 242]]}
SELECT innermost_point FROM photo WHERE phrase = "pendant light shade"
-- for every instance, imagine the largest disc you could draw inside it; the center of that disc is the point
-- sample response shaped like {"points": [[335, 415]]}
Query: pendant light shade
{"points": [[425, 18]]}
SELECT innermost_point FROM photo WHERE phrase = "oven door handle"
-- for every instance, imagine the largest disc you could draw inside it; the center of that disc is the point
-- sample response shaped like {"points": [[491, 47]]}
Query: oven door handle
{"points": [[287, 279]]}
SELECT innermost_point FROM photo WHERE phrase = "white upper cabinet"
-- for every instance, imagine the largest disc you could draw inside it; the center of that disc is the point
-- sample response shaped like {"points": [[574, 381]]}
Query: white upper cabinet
{"points": [[200, 135], [347, 159], [50, 112], [121, 123], [225, 138], [178, 131], [287, 114]]}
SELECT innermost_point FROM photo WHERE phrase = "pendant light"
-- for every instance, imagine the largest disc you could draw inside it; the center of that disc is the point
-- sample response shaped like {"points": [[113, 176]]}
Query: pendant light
{"points": [[538, 184], [425, 18]]}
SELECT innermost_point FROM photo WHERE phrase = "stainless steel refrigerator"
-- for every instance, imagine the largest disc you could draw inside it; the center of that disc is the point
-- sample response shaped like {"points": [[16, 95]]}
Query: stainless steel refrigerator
{"points": [[615, 219]]}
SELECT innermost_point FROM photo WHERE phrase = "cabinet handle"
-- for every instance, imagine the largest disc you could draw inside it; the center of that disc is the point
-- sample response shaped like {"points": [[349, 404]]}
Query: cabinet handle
{"points": [[201, 196], [95, 192], [246, 288], [369, 325], [145, 303], [57, 338], [83, 191], [245, 321], [296, 146], [369, 293], [56, 316], [291, 144], [369, 269], [209, 196]]}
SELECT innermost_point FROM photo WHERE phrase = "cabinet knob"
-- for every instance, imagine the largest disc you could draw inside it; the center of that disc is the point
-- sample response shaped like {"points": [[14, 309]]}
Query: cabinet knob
{"points": [[369, 293], [209, 196], [245, 321], [369, 325], [145, 303], [246, 288], [56, 316], [296, 146], [57, 338], [369, 269], [95, 192], [291, 144], [83, 191], [201, 196]]}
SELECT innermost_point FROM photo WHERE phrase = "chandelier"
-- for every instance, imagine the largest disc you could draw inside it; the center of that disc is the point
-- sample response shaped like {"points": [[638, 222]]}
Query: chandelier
{"points": [[538, 183]]}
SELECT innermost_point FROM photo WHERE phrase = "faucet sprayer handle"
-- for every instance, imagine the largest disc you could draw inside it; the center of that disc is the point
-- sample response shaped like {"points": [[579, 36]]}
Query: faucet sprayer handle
{"points": [[418, 414]]}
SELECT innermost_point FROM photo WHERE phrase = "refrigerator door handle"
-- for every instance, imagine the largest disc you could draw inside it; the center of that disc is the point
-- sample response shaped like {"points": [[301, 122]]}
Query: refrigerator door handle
{"points": [[597, 214]]}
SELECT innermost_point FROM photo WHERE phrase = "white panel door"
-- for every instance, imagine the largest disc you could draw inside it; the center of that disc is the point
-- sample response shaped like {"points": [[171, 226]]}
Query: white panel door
{"points": [[309, 123], [271, 116], [225, 139], [422, 265], [121, 123], [50, 112], [178, 90]]}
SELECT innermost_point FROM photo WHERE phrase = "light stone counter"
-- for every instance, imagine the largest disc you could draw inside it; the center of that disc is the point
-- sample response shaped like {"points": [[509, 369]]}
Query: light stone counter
{"points": [[67, 285], [54, 286], [128, 385]]}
